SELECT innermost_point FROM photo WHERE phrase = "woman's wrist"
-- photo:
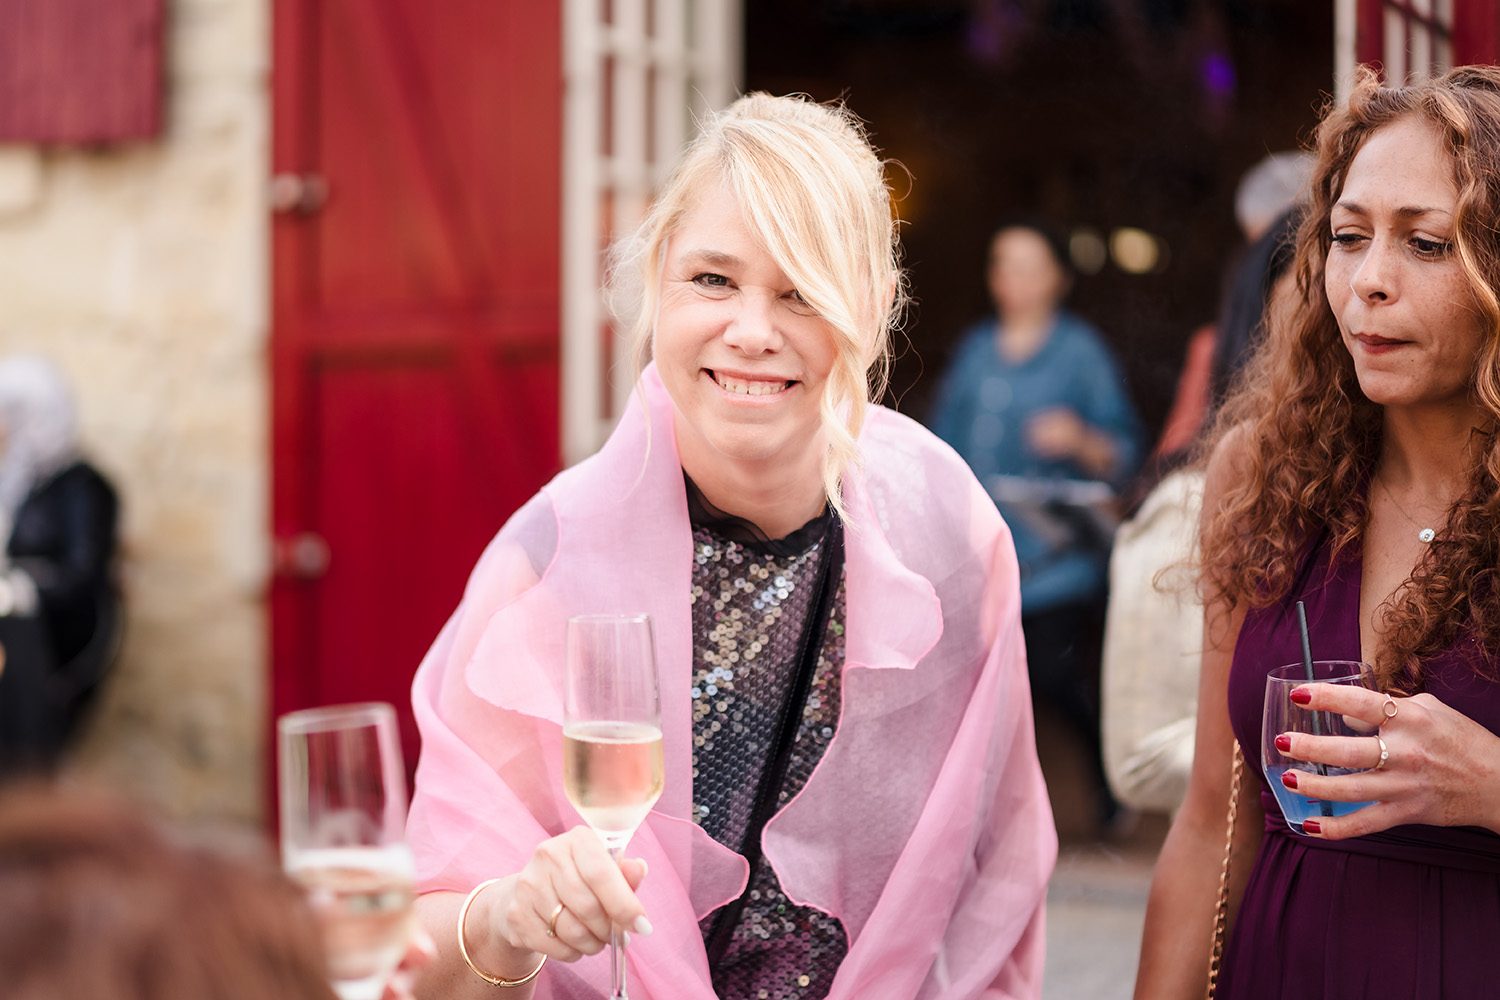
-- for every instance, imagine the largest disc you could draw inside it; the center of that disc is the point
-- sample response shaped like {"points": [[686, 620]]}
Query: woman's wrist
{"points": [[1489, 791], [485, 930], [1097, 453]]}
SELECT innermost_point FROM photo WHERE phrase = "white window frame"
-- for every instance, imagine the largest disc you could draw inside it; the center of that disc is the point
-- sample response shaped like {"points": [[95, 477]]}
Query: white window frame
{"points": [[619, 74]]}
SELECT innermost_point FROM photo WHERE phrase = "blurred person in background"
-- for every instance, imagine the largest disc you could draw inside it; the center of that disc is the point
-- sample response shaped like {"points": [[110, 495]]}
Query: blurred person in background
{"points": [[1354, 470], [852, 701], [1265, 206], [99, 902], [1036, 404], [59, 613], [1153, 633]]}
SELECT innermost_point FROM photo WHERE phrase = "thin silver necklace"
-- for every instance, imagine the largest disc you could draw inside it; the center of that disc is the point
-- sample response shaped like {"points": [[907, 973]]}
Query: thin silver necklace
{"points": [[1423, 534]]}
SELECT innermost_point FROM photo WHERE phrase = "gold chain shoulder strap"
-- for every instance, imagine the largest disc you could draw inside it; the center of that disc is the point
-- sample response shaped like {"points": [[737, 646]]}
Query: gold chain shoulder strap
{"points": [[1221, 905]]}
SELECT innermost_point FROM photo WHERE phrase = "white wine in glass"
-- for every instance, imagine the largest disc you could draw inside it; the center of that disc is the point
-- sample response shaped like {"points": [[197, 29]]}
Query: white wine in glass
{"points": [[343, 815], [612, 747], [613, 772]]}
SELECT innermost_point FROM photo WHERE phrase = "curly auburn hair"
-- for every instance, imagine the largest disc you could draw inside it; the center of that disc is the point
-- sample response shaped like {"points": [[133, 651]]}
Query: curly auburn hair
{"points": [[1310, 436]]}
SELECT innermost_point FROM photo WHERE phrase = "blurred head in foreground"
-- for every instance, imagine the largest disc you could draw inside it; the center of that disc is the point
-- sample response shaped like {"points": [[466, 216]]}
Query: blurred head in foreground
{"points": [[99, 902]]}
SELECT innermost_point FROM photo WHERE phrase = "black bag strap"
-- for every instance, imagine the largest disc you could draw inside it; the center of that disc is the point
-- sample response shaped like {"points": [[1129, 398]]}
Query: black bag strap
{"points": [[766, 792]]}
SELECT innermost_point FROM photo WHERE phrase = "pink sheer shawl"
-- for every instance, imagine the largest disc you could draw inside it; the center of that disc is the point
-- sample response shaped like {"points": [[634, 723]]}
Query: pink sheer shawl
{"points": [[925, 828]]}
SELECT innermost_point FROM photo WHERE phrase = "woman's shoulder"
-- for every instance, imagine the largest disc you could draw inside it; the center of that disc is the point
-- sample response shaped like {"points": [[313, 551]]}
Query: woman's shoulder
{"points": [[518, 555], [890, 441], [911, 472], [76, 490]]}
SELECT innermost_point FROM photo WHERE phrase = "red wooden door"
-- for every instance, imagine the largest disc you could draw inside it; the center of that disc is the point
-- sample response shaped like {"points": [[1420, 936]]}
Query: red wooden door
{"points": [[417, 148]]}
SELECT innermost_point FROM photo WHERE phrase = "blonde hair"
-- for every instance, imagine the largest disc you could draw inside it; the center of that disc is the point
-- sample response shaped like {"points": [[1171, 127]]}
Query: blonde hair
{"points": [[813, 191]]}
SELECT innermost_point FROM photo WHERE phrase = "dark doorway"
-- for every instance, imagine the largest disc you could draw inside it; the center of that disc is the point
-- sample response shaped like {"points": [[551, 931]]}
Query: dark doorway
{"points": [[1092, 113]]}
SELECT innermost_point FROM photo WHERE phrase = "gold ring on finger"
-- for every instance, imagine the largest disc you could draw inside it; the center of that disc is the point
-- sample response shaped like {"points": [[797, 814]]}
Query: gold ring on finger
{"points": [[552, 920], [1388, 709], [1385, 752]]}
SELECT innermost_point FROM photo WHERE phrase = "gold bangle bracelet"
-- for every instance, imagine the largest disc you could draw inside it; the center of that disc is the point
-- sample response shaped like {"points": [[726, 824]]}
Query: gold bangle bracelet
{"points": [[463, 947]]}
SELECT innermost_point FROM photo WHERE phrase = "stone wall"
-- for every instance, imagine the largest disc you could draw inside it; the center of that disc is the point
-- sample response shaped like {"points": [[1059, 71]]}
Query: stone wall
{"points": [[143, 270]]}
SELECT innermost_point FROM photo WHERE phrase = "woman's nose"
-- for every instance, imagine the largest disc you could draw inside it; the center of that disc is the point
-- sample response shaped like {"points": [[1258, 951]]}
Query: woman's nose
{"points": [[753, 330], [1374, 278]]}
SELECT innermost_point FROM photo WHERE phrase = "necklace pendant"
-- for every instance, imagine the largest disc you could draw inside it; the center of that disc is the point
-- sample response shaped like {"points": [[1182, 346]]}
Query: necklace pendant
{"points": [[1426, 534]]}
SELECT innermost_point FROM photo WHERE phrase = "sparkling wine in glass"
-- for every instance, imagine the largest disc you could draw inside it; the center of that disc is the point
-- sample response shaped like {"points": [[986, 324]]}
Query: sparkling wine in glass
{"points": [[612, 752], [1282, 715], [343, 817]]}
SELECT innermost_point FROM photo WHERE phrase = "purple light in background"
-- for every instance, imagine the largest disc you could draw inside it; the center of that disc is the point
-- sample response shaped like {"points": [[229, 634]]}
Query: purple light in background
{"points": [[994, 30], [1217, 74]]}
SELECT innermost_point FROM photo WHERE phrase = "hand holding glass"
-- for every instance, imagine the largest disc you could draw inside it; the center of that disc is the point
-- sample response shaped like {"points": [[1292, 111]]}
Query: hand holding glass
{"points": [[343, 819], [1282, 715], [612, 747]]}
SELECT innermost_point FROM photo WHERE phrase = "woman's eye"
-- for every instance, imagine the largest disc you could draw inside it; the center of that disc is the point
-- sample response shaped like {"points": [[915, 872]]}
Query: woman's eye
{"points": [[1347, 239], [798, 303], [710, 280], [1430, 248]]}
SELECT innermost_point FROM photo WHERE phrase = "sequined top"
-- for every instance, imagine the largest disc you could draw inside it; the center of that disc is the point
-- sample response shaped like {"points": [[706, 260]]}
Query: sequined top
{"points": [[751, 600]]}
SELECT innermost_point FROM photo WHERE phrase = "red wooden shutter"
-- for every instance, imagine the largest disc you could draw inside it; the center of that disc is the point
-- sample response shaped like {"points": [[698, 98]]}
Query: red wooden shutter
{"points": [[80, 71]]}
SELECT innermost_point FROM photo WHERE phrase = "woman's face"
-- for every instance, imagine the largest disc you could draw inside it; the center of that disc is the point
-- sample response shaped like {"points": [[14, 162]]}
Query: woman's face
{"points": [[743, 356], [1403, 305], [1024, 277]]}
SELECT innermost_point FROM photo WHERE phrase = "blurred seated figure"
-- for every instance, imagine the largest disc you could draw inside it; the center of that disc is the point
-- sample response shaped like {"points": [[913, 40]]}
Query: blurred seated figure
{"points": [[97, 902], [59, 613]]}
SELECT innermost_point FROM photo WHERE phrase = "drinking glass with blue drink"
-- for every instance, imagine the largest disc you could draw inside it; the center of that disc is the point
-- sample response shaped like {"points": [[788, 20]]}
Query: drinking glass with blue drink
{"points": [[1282, 715]]}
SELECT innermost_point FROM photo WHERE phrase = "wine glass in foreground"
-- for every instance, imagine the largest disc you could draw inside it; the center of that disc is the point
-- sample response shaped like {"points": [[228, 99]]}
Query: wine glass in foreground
{"points": [[1282, 715], [343, 817], [612, 753]]}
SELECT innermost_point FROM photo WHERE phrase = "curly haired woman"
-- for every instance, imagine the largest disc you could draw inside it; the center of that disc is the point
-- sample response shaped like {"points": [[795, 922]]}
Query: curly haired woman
{"points": [[1357, 469]]}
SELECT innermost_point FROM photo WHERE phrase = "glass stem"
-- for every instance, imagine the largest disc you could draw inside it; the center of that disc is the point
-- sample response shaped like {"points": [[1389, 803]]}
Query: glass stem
{"points": [[617, 948]]}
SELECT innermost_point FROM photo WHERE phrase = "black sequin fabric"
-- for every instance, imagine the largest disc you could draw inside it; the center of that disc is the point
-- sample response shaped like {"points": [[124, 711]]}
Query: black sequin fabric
{"points": [[750, 605]]}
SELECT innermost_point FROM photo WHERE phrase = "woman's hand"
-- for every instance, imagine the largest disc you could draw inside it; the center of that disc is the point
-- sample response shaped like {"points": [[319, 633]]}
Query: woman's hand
{"points": [[595, 893], [1056, 433], [1060, 433], [1442, 768]]}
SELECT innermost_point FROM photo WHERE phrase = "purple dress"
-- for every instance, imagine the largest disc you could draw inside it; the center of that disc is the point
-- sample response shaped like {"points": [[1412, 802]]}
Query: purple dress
{"points": [[1413, 912]]}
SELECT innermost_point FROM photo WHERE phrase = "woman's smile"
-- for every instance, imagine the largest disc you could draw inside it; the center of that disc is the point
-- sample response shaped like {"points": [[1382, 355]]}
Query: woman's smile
{"points": [[751, 387]]}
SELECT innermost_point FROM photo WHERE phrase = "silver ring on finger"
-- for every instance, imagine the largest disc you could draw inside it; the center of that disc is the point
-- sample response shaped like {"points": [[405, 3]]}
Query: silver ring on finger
{"points": [[1388, 709], [552, 920], [1385, 753]]}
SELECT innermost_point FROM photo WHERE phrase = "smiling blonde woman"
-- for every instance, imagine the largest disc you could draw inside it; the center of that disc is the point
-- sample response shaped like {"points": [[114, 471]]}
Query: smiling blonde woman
{"points": [[823, 575]]}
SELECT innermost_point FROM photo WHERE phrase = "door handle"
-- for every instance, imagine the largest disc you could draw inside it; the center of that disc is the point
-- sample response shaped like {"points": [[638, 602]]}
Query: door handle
{"points": [[298, 194], [303, 556]]}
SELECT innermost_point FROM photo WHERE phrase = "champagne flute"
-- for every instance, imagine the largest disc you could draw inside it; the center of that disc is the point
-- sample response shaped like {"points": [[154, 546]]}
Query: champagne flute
{"points": [[343, 818], [612, 752]]}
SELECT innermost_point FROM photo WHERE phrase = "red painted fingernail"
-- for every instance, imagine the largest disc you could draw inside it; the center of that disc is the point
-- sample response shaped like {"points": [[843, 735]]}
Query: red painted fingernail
{"points": [[1312, 826], [1284, 743], [1301, 696], [1289, 779]]}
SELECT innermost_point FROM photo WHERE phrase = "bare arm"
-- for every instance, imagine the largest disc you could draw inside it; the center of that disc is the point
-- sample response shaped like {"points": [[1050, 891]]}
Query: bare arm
{"points": [[1179, 914]]}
